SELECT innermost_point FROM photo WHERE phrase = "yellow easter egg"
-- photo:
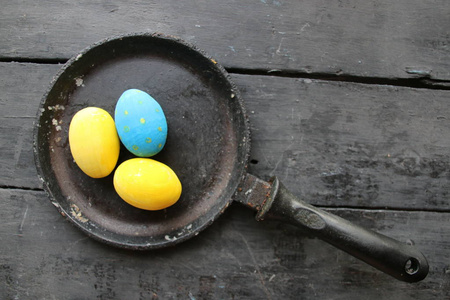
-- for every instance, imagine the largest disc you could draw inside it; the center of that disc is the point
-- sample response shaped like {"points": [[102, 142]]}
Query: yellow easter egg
{"points": [[94, 142], [147, 184]]}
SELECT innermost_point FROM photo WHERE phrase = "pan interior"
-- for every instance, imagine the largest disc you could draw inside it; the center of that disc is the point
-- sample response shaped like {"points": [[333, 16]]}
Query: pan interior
{"points": [[207, 143]]}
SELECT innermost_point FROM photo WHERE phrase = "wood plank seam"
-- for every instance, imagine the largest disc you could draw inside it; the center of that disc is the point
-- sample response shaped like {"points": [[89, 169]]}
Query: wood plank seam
{"points": [[422, 81]]}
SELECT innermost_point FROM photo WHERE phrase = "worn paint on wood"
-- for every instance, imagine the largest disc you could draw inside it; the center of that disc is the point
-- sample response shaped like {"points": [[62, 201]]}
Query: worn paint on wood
{"points": [[383, 39], [236, 258], [22, 87], [343, 144]]}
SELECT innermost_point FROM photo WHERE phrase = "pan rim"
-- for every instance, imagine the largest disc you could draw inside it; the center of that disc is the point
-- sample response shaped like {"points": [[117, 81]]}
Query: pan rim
{"points": [[240, 174]]}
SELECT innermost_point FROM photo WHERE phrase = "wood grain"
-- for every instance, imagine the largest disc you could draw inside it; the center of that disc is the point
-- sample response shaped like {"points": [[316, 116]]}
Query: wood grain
{"points": [[343, 144], [22, 86], [375, 39], [236, 258]]}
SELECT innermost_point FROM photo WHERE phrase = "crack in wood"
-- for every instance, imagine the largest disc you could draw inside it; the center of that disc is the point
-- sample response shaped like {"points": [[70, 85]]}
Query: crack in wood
{"points": [[422, 82], [10, 187]]}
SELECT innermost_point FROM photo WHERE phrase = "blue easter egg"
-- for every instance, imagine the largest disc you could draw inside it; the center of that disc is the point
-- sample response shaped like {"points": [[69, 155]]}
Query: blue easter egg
{"points": [[140, 123]]}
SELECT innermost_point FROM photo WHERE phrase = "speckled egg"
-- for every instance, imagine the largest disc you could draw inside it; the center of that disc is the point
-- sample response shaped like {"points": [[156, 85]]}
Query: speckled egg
{"points": [[147, 184], [141, 123], [93, 141]]}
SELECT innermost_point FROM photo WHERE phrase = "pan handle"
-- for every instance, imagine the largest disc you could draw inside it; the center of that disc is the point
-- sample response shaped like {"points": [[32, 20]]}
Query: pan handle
{"points": [[400, 260]]}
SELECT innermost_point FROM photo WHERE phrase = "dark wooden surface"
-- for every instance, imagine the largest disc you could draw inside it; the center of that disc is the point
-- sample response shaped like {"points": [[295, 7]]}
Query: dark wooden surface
{"points": [[349, 107]]}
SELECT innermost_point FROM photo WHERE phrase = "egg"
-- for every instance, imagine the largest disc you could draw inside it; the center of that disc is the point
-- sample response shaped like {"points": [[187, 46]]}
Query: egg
{"points": [[94, 142], [141, 123], [147, 184]]}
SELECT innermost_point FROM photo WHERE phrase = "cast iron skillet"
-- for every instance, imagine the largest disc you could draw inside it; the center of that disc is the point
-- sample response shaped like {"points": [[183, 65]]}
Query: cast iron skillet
{"points": [[208, 146]]}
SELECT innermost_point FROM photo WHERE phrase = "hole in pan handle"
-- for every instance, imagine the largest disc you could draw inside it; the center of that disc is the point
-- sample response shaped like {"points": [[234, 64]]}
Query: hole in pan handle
{"points": [[273, 201]]}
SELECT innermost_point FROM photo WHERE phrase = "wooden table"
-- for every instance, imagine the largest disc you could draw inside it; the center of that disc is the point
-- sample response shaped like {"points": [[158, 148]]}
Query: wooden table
{"points": [[349, 103]]}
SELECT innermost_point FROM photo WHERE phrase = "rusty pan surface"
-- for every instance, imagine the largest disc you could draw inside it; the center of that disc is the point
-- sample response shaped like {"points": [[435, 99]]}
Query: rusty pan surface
{"points": [[207, 145]]}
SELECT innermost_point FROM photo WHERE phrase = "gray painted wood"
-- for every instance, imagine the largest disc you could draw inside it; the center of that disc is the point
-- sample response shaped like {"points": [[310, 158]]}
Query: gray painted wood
{"points": [[386, 39], [22, 87], [44, 257], [331, 143], [343, 144]]}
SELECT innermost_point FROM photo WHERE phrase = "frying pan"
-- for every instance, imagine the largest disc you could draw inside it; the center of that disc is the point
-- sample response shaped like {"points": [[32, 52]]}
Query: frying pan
{"points": [[208, 147]]}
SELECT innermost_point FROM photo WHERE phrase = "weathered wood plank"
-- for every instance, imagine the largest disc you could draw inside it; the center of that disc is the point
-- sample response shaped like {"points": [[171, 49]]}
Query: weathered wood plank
{"points": [[351, 144], [393, 39], [236, 258], [22, 87], [334, 144]]}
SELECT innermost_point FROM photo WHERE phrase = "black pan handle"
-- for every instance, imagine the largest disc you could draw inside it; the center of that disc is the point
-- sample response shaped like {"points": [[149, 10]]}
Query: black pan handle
{"points": [[400, 260]]}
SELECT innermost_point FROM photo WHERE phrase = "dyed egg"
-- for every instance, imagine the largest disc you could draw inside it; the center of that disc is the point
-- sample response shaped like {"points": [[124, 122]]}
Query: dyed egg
{"points": [[93, 141], [141, 123], [147, 184]]}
